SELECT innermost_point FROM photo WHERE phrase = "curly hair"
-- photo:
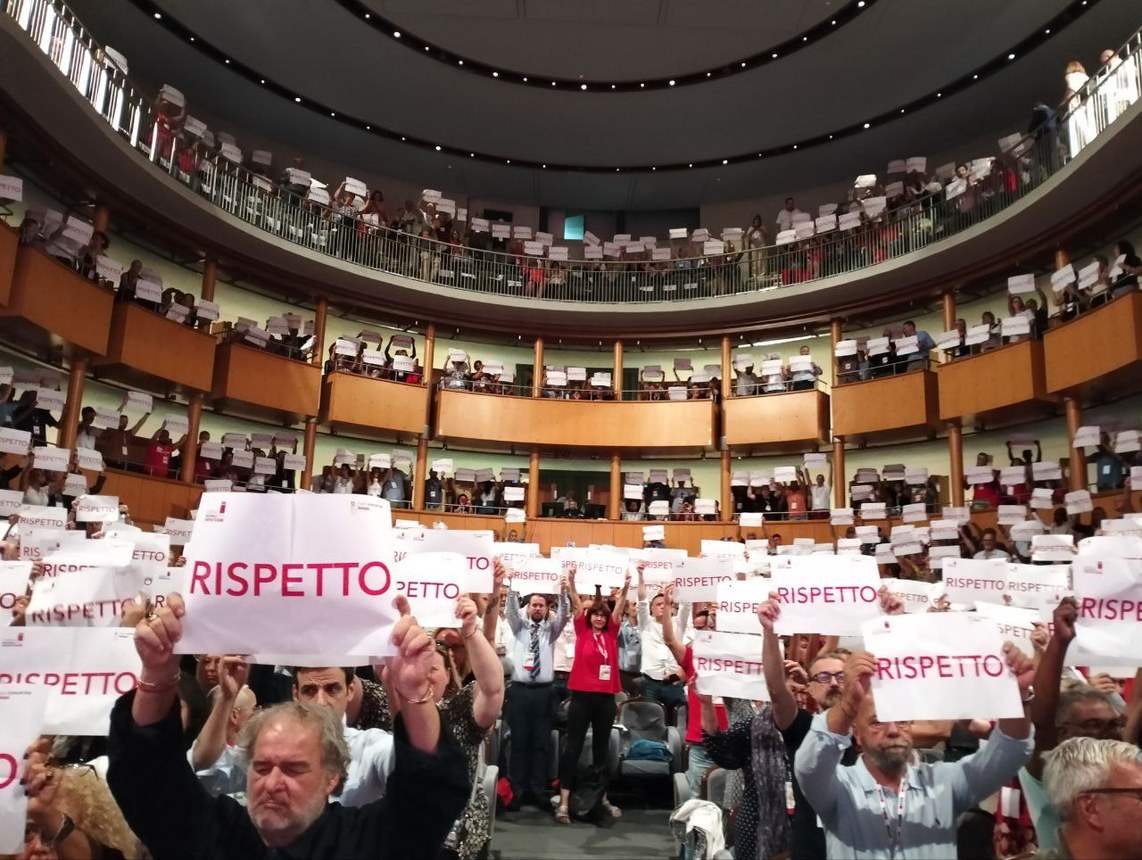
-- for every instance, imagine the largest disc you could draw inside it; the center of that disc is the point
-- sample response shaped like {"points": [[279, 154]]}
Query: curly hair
{"points": [[330, 733]]}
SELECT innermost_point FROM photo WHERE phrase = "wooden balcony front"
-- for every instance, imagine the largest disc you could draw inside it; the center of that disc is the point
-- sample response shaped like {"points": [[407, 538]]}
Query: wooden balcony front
{"points": [[773, 422], [545, 422], [1099, 354], [52, 309], [896, 407], [363, 406], [147, 350], [273, 385], [9, 244], [1003, 386], [151, 500]]}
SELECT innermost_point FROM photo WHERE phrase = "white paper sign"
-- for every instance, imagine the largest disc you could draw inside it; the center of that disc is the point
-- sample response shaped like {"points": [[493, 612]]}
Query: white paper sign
{"points": [[1109, 594], [301, 573], [92, 597], [697, 579], [52, 459], [97, 509], [14, 577], [914, 595], [22, 715], [536, 574], [947, 666], [832, 595], [39, 516], [476, 548], [600, 567], [729, 664], [738, 602], [433, 582], [970, 579]]}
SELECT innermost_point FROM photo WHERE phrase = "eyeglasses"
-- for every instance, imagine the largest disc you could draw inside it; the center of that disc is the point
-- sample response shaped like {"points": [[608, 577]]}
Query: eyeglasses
{"points": [[877, 725], [1136, 793], [1095, 727], [826, 677]]}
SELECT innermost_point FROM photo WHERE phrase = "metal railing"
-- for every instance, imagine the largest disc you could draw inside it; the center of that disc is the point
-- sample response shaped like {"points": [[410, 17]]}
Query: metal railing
{"points": [[474, 263]]}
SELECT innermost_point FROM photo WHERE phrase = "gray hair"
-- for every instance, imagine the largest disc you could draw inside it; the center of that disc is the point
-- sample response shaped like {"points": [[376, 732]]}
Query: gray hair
{"points": [[1079, 765], [1077, 695], [330, 732]]}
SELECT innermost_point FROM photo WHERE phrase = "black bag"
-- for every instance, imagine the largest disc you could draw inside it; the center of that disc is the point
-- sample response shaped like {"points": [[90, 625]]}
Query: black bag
{"points": [[586, 800]]}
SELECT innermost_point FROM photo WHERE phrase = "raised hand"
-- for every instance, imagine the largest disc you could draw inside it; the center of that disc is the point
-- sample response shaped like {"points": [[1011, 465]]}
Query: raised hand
{"points": [[1065, 615], [409, 669], [859, 669], [1020, 665], [157, 634], [466, 612], [890, 604], [233, 672], [769, 612]]}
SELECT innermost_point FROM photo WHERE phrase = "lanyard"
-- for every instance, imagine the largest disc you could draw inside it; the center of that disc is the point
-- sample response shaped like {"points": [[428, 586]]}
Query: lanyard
{"points": [[894, 837], [601, 644]]}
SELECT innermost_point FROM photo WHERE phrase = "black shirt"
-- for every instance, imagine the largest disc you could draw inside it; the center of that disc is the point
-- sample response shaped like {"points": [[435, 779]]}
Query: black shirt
{"points": [[808, 838], [173, 815]]}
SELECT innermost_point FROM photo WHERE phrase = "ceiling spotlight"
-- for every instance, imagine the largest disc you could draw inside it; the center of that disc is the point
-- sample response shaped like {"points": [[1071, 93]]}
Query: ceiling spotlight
{"points": [[263, 80], [438, 147], [402, 139], [396, 34], [495, 74], [297, 99], [866, 125], [553, 83], [975, 77], [460, 62], [671, 83], [509, 161], [1047, 32], [158, 16], [939, 95], [471, 155], [691, 164], [366, 16], [902, 110], [743, 65], [582, 86], [368, 128], [642, 86], [833, 23], [794, 146], [860, 5], [804, 38], [192, 38], [227, 62], [331, 113], [1011, 56], [427, 48], [525, 80], [654, 168], [544, 167], [775, 55], [708, 74], [616, 170]]}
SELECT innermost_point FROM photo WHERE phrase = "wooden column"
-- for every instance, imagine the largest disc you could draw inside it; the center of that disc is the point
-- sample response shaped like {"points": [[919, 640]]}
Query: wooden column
{"points": [[419, 476], [69, 423], [726, 501], [190, 446], [537, 372], [840, 481], [319, 332], [209, 278], [310, 444], [727, 367], [1061, 257], [956, 458], [836, 336], [101, 218], [617, 373], [531, 504], [1078, 458], [427, 361], [949, 300], [615, 499], [3, 146]]}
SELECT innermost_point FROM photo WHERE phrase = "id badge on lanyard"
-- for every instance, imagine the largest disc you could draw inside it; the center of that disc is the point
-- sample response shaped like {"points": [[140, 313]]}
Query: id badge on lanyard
{"points": [[605, 666]]}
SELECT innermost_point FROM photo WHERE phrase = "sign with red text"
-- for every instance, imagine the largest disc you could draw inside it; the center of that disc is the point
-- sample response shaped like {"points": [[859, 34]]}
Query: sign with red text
{"points": [[537, 574], [433, 582], [914, 595], [14, 577], [827, 594], [478, 549], [945, 666], [82, 598], [22, 715], [83, 670], [1109, 594], [967, 580], [1013, 623], [729, 664], [179, 531], [97, 509], [307, 573], [1034, 585], [15, 441], [604, 568], [659, 565], [738, 602], [51, 459], [10, 502], [511, 554], [40, 516], [697, 579]]}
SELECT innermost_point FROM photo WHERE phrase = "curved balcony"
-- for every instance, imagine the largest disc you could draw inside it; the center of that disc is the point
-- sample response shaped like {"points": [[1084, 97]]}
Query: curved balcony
{"points": [[997, 387], [1099, 354], [903, 406], [291, 244], [771, 423], [51, 307], [242, 374], [357, 404], [148, 351], [665, 425]]}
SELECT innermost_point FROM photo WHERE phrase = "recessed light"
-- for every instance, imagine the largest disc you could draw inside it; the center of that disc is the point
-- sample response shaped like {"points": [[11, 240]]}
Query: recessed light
{"points": [[366, 16], [902, 110], [671, 83], [438, 147], [158, 16], [509, 161], [525, 80], [1047, 32], [654, 168], [804, 38], [545, 167], [297, 99], [775, 55], [402, 140], [263, 80], [691, 164], [331, 113], [1011, 56], [495, 74], [368, 128], [616, 170], [794, 146], [860, 5], [396, 34], [866, 125], [553, 83], [192, 38], [975, 77], [830, 137], [642, 86], [427, 48], [227, 62], [743, 65], [582, 86], [471, 155], [939, 95], [708, 74], [725, 161], [460, 62], [833, 23]]}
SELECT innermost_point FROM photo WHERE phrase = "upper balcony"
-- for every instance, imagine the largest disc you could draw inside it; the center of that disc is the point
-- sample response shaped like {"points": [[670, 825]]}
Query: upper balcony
{"points": [[885, 260], [664, 425], [265, 385], [363, 406], [1099, 354], [1002, 386], [773, 423], [895, 407], [52, 308], [148, 351]]}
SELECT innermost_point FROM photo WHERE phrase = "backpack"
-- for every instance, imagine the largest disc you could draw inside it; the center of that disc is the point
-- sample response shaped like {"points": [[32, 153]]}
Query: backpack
{"points": [[586, 800]]}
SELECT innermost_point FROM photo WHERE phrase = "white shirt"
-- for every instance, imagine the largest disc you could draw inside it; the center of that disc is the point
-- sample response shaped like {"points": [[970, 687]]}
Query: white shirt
{"points": [[549, 632], [371, 758], [990, 554], [819, 497], [85, 439], [657, 658], [785, 218], [343, 486], [565, 649]]}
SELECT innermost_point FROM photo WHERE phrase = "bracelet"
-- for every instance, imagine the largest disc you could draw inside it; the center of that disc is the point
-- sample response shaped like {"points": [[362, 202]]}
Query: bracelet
{"points": [[464, 635], [158, 686], [423, 700]]}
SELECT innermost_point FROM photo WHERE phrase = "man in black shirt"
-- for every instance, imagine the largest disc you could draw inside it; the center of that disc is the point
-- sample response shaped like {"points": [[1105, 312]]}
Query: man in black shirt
{"points": [[297, 759]]}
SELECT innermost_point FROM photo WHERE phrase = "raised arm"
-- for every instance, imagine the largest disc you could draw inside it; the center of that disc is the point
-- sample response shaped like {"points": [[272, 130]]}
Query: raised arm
{"points": [[1048, 679], [669, 636], [492, 607], [486, 666], [573, 593], [211, 741], [621, 601], [139, 425], [511, 612], [784, 705]]}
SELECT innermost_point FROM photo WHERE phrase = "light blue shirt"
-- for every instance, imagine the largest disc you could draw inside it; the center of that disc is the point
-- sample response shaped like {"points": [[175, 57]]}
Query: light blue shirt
{"points": [[848, 799], [549, 630]]}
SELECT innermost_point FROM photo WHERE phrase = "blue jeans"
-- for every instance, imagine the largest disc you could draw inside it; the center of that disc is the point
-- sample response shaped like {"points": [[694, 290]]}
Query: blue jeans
{"points": [[670, 695], [699, 762]]}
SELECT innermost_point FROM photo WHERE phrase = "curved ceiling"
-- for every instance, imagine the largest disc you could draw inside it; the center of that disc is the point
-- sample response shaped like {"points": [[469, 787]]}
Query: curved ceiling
{"points": [[896, 51]]}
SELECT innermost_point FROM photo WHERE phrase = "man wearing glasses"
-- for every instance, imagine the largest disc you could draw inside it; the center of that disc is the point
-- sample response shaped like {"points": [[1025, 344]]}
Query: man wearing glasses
{"points": [[1095, 787]]}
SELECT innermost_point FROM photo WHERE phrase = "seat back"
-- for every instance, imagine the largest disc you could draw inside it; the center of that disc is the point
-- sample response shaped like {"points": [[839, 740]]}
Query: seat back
{"points": [[643, 720], [716, 786]]}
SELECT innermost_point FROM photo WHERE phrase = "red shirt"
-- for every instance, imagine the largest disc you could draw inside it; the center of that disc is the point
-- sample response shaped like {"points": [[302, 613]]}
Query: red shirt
{"points": [[694, 707], [594, 649], [159, 458]]}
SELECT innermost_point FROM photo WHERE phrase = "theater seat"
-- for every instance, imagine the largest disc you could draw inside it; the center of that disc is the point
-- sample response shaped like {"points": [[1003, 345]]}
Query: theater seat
{"points": [[641, 719]]}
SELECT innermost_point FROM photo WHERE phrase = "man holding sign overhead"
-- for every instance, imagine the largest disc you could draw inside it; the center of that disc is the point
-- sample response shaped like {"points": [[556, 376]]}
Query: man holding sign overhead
{"points": [[887, 806]]}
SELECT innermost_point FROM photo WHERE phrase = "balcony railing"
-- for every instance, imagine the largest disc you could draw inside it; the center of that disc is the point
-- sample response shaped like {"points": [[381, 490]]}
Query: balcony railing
{"points": [[688, 276]]}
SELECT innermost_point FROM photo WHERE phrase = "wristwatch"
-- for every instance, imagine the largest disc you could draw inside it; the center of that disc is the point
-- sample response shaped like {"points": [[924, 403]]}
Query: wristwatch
{"points": [[66, 828], [1030, 697]]}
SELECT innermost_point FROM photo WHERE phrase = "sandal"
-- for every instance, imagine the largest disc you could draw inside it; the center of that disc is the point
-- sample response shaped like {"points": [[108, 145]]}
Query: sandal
{"points": [[561, 816], [612, 811]]}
